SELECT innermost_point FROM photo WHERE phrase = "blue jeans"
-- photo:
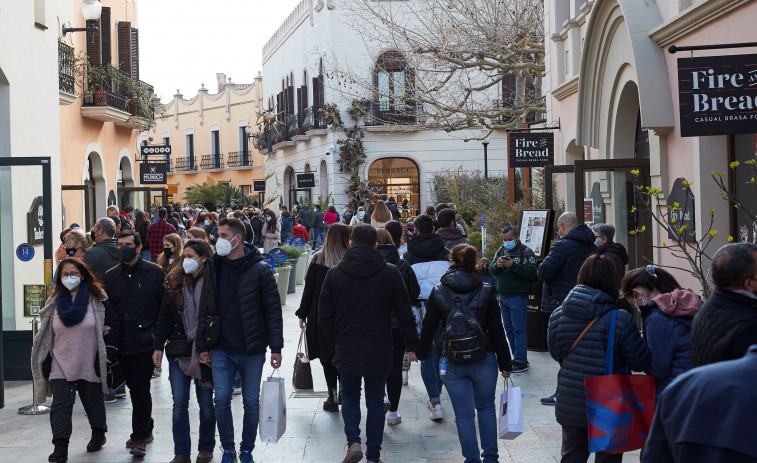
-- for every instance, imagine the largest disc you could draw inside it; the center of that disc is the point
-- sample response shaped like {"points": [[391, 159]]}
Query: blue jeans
{"points": [[472, 388], [251, 369], [374, 401], [515, 318], [430, 374], [180, 385], [316, 233], [145, 255]]}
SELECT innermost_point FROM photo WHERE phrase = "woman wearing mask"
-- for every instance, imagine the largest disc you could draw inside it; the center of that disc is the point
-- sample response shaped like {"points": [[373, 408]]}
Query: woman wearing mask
{"points": [[211, 227], [287, 224], [196, 233], [60, 254], [170, 258], [470, 387], [178, 325], [388, 249], [69, 354], [330, 217], [334, 246], [271, 231], [667, 312], [248, 233], [187, 217], [77, 243], [592, 301], [381, 215], [358, 217], [141, 226]]}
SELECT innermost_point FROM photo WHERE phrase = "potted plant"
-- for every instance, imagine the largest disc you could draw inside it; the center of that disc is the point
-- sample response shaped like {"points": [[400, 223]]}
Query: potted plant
{"points": [[302, 265], [99, 80], [283, 269], [293, 256]]}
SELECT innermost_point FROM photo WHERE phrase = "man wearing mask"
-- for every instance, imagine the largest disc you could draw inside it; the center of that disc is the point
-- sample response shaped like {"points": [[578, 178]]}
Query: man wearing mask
{"points": [[256, 222], [514, 266], [240, 290], [135, 290], [319, 226], [158, 231], [559, 270], [103, 255]]}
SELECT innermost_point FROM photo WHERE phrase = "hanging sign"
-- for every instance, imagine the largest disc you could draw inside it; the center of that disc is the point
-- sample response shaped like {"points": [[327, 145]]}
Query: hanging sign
{"points": [[152, 173], [681, 212], [258, 185], [531, 149], [35, 231], [306, 180], [717, 95], [163, 151]]}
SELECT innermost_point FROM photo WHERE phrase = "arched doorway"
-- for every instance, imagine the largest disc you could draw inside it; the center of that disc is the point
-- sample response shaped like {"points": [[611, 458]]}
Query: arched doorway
{"points": [[323, 178], [96, 187], [125, 180], [398, 178], [289, 184]]}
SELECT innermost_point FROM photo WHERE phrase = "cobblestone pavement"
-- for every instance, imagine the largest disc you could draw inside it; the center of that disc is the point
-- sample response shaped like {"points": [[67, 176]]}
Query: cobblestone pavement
{"points": [[312, 435]]}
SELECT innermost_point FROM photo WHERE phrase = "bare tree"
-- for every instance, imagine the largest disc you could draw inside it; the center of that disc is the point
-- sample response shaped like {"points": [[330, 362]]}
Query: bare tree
{"points": [[469, 63]]}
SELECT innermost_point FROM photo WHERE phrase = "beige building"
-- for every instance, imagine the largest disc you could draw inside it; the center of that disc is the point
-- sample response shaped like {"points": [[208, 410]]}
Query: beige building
{"points": [[208, 138]]}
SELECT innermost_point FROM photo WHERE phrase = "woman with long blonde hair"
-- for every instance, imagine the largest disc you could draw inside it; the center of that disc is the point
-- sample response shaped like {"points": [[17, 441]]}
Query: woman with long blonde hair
{"points": [[381, 215], [170, 258], [334, 246]]}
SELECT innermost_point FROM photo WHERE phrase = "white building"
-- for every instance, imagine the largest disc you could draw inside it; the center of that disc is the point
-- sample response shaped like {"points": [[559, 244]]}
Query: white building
{"points": [[402, 158]]}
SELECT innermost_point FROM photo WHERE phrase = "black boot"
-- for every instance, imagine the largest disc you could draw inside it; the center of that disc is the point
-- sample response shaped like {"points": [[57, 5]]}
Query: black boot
{"points": [[331, 404], [60, 454], [97, 441]]}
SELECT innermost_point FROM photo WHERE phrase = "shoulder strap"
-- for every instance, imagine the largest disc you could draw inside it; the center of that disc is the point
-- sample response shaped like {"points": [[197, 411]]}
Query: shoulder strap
{"points": [[610, 355], [575, 343]]}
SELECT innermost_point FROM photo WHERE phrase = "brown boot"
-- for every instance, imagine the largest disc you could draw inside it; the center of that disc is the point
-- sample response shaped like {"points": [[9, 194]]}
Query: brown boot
{"points": [[204, 457], [181, 459], [354, 454]]}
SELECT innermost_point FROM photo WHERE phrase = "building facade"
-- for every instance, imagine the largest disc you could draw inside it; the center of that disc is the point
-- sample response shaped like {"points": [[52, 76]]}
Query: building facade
{"points": [[208, 137], [614, 86], [402, 156]]}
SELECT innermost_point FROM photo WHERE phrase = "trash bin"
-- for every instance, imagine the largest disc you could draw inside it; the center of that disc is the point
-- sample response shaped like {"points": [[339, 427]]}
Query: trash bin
{"points": [[537, 320]]}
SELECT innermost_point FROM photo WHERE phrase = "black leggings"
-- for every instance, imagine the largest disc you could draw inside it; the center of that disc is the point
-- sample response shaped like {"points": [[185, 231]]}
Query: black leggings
{"points": [[394, 380], [332, 376], [64, 396]]}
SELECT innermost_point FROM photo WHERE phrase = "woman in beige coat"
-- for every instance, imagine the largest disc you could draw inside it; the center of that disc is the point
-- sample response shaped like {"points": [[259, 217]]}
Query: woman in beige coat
{"points": [[271, 231], [69, 354]]}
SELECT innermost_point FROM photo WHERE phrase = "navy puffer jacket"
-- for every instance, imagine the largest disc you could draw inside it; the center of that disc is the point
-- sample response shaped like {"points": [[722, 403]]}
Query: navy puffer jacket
{"points": [[587, 359], [559, 269]]}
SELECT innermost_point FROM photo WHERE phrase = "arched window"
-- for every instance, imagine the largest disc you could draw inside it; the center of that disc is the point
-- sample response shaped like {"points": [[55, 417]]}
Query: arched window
{"points": [[393, 80]]}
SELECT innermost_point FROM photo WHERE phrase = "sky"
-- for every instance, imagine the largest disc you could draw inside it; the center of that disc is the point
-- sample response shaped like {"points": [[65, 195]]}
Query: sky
{"points": [[184, 43]]}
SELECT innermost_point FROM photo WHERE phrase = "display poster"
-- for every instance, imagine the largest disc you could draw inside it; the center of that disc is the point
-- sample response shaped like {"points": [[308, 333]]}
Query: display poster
{"points": [[34, 299], [534, 229], [588, 211]]}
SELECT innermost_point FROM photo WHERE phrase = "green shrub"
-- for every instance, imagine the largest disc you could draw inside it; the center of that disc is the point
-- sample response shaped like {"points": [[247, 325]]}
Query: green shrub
{"points": [[292, 252], [475, 239]]}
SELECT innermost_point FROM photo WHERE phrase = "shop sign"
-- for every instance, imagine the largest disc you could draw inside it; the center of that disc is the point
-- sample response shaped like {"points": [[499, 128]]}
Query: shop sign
{"points": [[599, 204], [153, 173], [305, 181], [34, 299], [531, 149], [35, 231], [717, 95], [588, 211], [258, 185], [163, 151], [683, 215]]}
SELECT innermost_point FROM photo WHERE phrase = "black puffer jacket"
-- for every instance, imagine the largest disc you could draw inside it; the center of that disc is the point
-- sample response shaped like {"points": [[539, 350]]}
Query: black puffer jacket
{"points": [[318, 344], [618, 255], [425, 247], [258, 299], [484, 305], [724, 328], [389, 251], [559, 269], [357, 301], [392, 206], [136, 294], [588, 358]]}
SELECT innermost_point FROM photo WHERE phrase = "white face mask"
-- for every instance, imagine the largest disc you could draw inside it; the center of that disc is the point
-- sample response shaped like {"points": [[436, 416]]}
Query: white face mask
{"points": [[190, 266], [71, 282], [224, 247]]}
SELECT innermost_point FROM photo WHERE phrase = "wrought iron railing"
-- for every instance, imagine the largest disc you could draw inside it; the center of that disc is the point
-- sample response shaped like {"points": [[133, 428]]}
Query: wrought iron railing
{"points": [[111, 80], [239, 159], [378, 114], [211, 161], [260, 140], [184, 164], [310, 119], [66, 68]]}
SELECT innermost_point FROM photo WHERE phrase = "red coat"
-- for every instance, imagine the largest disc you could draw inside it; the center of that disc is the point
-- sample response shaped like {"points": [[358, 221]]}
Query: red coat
{"points": [[302, 232], [330, 218]]}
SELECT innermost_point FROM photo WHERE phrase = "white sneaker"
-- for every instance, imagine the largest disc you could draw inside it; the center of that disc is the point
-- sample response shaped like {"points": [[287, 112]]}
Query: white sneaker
{"points": [[236, 391], [404, 378], [437, 413], [393, 418]]}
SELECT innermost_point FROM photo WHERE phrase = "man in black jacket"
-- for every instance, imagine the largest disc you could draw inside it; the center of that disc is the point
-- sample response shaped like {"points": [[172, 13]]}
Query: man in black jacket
{"points": [[391, 204], [726, 325], [362, 334], [256, 223], [103, 256], [239, 289], [135, 289]]}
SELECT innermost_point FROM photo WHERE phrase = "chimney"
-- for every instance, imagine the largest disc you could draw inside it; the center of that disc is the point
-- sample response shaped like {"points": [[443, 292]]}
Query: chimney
{"points": [[221, 80]]}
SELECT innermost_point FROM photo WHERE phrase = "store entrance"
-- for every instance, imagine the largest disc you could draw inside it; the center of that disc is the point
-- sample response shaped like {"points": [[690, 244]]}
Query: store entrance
{"points": [[145, 198]]}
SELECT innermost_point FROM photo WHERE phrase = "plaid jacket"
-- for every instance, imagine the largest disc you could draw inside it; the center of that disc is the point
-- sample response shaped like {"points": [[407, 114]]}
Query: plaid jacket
{"points": [[155, 235]]}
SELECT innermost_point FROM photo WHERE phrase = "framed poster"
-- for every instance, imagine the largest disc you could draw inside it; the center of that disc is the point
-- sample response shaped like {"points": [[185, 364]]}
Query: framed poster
{"points": [[34, 299], [534, 229]]}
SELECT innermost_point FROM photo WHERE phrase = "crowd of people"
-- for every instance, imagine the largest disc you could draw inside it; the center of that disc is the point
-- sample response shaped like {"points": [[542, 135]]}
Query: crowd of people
{"points": [[192, 285]]}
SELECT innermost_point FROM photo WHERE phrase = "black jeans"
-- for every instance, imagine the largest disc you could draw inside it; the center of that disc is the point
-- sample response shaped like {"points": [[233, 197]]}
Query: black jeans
{"points": [[575, 448], [137, 370], [64, 396], [331, 374], [394, 380]]}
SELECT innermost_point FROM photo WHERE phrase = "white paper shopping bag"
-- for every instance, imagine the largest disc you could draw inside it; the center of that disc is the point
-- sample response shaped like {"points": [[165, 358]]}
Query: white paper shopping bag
{"points": [[273, 410], [510, 414]]}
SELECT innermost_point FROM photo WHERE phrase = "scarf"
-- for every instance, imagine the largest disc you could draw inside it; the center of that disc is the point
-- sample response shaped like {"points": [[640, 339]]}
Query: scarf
{"points": [[191, 366], [72, 310]]}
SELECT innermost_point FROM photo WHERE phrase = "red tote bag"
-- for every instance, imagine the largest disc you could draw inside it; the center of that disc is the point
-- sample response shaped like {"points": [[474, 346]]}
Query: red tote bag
{"points": [[620, 408]]}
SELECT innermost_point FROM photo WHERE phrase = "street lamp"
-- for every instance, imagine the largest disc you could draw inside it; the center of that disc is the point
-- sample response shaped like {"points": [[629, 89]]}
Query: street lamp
{"points": [[484, 136], [91, 10]]}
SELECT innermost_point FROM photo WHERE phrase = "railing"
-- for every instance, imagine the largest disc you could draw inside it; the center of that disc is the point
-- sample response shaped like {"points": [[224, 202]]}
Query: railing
{"points": [[239, 159], [310, 119], [211, 161], [260, 140], [113, 81], [184, 164], [66, 68], [378, 114], [139, 105]]}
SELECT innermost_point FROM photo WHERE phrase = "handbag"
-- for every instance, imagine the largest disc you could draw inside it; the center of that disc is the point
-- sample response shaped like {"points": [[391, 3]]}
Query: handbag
{"points": [[180, 347], [620, 408], [302, 379]]}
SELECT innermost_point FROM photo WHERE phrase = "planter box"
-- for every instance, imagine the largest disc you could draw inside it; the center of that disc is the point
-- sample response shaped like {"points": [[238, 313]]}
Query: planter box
{"points": [[301, 269], [283, 282], [292, 287]]}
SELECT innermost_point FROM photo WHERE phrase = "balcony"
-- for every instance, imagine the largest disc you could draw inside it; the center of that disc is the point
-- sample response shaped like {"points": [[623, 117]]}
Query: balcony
{"points": [[260, 140], [383, 116], [186, 164], [239, 159], [286, 130], [140, 107], [66, 71], [105, 96], [211, 161], [310, 123]]}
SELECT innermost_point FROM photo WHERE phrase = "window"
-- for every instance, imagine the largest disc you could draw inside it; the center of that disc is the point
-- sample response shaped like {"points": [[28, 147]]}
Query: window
{"points": [[39, 13], [244, 147], [393, 81], [190, 151], [399, 178], [215, 148]]}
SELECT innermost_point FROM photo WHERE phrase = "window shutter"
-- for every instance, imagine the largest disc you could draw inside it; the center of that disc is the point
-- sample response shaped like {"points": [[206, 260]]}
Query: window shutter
{"points": [[105, 34], [279, 106], [290, 100], [316, 94], [93, 44], [305, 104], [135, 53], [508, 90], [124, 46], [321, 93], [300, 109]]}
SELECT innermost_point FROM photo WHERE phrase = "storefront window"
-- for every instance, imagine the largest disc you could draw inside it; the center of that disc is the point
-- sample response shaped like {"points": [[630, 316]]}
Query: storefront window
{"points": [[399, 178]]}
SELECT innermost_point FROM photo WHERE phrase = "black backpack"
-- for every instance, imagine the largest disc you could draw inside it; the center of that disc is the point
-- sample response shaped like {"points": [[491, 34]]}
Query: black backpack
{"points": [[464, 341]]}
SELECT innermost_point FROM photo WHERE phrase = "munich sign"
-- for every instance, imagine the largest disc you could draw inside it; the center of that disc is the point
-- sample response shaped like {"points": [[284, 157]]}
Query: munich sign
{"points": [[531, 149], [152, 173], [717, 95]]}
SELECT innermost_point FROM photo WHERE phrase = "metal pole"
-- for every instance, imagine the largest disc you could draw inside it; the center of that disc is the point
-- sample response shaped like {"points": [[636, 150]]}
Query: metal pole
{"points": [[34, 408], [486, 161]]}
